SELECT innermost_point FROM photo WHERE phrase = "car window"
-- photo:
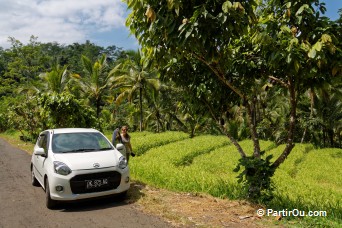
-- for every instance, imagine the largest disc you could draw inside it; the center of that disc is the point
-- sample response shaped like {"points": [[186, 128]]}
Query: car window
{"points": [[43, 141], [79, 142]]}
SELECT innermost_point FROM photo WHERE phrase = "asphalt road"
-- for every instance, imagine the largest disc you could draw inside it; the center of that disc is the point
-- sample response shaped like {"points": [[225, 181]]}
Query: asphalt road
{"points": [[23, 205]]}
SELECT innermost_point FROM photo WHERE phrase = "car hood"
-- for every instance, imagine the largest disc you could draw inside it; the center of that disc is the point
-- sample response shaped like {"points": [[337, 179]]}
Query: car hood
{"points": [[89, 160]]}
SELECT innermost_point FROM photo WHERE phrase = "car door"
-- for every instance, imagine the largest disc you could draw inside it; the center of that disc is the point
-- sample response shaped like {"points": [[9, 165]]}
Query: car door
{"points": [[42, 142]]}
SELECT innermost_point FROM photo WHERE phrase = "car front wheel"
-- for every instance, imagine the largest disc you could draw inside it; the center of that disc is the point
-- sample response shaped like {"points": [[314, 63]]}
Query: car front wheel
{"points": [[121, 196], [33, 178], [50, 203]]}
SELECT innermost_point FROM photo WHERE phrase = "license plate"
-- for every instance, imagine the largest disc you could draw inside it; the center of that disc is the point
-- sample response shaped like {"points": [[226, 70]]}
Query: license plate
{"points": [[96, 183]]}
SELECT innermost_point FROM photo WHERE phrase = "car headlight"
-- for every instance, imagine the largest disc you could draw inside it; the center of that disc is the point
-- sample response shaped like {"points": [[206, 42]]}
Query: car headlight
{"points": [[61, 168], [122, 162]]}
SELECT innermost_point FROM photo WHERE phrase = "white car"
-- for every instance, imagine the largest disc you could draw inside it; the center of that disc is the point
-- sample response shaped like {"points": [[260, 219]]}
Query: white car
{"points": [[78, 163]]}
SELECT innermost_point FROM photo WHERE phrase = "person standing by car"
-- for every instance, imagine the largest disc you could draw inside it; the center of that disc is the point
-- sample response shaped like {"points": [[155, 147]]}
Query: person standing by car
{"points": [[125, 139]]}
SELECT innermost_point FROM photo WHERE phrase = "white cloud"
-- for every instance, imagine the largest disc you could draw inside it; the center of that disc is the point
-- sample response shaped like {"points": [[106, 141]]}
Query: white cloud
{"points": [[63, 21]]}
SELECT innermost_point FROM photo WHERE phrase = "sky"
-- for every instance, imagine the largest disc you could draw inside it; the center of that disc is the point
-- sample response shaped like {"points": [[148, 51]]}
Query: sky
{"points": [[69, 21]]}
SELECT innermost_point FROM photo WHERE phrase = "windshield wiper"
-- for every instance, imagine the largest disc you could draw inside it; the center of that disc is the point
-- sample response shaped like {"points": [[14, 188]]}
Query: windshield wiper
{"points": [[80, 150], [107, 148]]}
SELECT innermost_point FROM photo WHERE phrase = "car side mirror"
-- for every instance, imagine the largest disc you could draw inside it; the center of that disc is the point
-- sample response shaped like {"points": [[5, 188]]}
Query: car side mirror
{"points": [[40, 152], [121, 148]]}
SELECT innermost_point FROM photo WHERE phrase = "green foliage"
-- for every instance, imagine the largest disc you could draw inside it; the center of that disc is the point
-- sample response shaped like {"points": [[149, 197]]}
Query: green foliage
{"points": [[25, 117], [122, 115], [3, 122], [71, 55], [136, 82], [239, 45], [63, 110], [256, 178], [96, 82], [57, 79], [5, 112], [23, 64]]}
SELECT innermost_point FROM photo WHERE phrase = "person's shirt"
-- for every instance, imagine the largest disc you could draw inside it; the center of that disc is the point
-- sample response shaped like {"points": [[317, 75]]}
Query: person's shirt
{"points": [[126, 141]]}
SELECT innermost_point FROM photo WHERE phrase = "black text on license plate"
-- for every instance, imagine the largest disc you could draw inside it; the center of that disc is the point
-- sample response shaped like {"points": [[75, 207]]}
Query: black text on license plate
{"points": [[96, 183]]}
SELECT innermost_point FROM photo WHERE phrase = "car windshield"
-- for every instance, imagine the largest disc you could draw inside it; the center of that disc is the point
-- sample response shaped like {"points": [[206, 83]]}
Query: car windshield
{"points": [[79, 142]]}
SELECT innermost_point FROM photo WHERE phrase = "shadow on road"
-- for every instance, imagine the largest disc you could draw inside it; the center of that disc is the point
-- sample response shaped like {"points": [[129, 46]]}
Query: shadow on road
{"points": [[133, 195]]}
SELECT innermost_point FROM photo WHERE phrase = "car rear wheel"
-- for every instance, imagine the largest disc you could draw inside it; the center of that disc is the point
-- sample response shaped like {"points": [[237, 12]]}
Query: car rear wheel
{"points": [[50, 203], [33, 178]]}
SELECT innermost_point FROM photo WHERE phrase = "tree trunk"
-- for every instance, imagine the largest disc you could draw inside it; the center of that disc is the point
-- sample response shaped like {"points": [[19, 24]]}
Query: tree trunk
{"points": [[252, 126], [324, 138], [223, 130], [98, 109], [141, 109], [290, 137], [237, 145], [331, 137], [312, 103]]}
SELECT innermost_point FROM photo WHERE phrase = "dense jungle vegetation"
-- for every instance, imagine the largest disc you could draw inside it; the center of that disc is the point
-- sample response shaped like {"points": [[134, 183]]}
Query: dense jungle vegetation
{"points": [[47, 85]]}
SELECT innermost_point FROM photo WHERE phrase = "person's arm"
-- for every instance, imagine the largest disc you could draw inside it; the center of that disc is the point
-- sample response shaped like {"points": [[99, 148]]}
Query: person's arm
{"points": [[129, 143], [130, 146], [114, 136]]}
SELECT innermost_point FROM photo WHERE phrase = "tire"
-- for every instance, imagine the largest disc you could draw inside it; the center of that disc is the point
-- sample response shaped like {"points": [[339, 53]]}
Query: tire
{"points": [[34, 180], [50, 203], [121, 196]]}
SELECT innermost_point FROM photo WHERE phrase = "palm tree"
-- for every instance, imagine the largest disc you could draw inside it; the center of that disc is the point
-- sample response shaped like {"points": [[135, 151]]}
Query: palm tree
{"points": [[325, 109], [96, 81], [328, 113], [136, 80], [57, 79]]}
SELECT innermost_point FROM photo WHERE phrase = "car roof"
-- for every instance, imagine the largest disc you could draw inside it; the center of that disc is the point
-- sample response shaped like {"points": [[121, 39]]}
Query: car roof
{"points": [[72, 130]]}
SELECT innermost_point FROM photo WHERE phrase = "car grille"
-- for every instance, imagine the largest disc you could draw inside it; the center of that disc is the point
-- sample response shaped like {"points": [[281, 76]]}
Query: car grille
{"points": [[78, 183]]}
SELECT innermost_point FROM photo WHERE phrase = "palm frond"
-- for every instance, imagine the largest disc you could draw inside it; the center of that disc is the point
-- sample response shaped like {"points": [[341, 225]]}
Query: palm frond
{"points": [[87, 64], [121, 97]]}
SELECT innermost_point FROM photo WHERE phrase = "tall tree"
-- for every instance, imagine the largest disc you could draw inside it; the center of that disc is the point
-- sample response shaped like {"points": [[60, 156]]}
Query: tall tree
{"points": [[240, 42], [137, 79], [73, 52], [24, 63], [96, 81]]}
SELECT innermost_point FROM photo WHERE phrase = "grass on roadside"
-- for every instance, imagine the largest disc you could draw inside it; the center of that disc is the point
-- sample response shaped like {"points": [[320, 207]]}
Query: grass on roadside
{"points": [[13, 137]]}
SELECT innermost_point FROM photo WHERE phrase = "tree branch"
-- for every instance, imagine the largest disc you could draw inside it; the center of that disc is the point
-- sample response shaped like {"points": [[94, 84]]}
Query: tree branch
{"points": [[254, 134], [279, 81], [223, 130], [220, 75]]}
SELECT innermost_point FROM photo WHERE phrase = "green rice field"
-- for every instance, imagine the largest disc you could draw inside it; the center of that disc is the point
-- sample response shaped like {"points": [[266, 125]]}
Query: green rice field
{"points": [[309, 180]]}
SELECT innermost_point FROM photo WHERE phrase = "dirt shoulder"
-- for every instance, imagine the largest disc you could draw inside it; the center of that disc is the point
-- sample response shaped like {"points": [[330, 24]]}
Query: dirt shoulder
{"points": [[189, 210]]}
